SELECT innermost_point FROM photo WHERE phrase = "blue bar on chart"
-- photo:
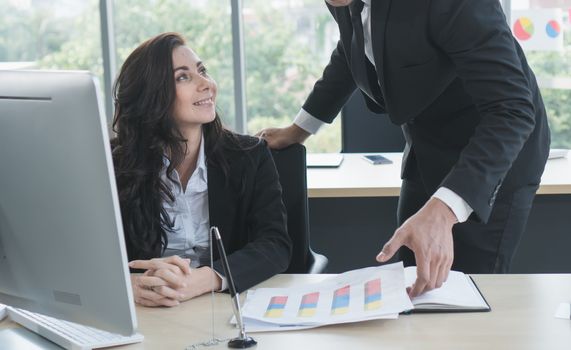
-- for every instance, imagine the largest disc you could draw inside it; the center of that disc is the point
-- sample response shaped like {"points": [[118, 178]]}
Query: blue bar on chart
{"points": [[373, 294], [308, 305], [276, 307], [340, 304]]}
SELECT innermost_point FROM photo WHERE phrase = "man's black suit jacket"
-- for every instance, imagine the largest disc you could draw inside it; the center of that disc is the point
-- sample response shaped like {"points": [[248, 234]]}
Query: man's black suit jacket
{"points": [[451, 73]]}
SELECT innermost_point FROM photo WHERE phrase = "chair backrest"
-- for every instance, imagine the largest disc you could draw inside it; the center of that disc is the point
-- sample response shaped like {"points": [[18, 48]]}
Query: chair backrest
{"points": [[365, 131], [290, 163]]}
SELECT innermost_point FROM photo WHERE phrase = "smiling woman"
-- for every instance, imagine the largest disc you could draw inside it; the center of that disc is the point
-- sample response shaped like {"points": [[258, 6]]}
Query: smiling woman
{"points": [[179, 172], [195, 90]]}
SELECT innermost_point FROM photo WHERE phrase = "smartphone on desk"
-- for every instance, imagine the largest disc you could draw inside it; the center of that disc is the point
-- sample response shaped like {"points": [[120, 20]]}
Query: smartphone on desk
{"points": [[376, 159]]}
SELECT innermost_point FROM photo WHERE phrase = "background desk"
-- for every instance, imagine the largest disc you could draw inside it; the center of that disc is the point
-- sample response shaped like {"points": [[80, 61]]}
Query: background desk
{"points": [[353, 213], [521, 318]]}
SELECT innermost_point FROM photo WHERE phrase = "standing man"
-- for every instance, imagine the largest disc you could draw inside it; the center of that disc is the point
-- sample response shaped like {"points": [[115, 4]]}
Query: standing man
{"points": [[452, 75]]}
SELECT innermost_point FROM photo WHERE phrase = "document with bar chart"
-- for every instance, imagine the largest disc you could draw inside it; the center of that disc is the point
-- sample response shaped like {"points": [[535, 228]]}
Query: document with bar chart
{"points": [[358, 295]]}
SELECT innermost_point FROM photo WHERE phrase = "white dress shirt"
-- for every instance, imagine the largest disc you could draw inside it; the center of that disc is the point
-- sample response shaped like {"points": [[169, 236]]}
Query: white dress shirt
{"points": [[309, 123], [366, 19], [189, 212]]}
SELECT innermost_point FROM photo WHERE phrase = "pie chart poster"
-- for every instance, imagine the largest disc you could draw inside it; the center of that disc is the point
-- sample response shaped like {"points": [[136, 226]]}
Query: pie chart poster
{"points": [[539, 29]]}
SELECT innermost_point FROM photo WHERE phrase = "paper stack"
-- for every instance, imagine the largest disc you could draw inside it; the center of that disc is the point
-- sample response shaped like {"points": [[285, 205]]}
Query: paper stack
{"points": [[358, 295]]}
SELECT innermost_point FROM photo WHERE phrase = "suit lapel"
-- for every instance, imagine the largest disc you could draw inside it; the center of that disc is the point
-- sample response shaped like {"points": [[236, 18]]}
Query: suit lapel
{"points": [[379, 14], [218, 205]]}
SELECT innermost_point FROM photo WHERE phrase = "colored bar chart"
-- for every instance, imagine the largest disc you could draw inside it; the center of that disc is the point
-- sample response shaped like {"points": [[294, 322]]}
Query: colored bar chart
{"points": [[276, 307], [373, 295], [308, 305], [340, 304]]}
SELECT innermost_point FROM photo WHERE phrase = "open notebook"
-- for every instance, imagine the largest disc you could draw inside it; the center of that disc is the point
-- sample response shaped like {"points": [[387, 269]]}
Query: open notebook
{"points": [[458, 294], [555, 153], [324, 160]]}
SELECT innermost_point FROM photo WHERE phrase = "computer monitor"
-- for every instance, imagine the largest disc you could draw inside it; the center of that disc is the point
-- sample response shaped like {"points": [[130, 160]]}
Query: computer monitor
{"points": [[62, 250]]}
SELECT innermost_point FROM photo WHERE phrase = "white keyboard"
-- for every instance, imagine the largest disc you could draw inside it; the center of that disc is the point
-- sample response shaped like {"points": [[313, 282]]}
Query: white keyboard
{"points": [[69, 335], [2, 312]]}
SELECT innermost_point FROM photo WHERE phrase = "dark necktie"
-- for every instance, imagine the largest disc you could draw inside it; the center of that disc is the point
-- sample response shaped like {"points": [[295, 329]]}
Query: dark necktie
{"points": [[362, 69], [358, 39]]}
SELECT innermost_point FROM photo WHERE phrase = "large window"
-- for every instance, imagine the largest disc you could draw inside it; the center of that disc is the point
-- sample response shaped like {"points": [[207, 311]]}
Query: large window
{"points": [[287, 45], [543, 29], [50, 35]]}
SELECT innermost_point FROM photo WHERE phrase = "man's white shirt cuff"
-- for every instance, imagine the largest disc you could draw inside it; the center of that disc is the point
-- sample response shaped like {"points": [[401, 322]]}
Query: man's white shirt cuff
{"points": [[224, 282], [307, 122], [458, 205]]}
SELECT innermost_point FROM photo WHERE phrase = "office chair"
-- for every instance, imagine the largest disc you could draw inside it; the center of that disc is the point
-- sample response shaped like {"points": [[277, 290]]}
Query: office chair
{"points": [[290, 163], [364, 131]]}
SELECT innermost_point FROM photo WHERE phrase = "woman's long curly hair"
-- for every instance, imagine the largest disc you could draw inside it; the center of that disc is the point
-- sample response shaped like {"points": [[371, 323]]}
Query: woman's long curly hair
{"points": [[144, 95]]}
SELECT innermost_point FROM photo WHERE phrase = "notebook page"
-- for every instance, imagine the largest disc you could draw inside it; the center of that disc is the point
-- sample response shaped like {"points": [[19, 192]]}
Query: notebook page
{"points": [[458, 291]]}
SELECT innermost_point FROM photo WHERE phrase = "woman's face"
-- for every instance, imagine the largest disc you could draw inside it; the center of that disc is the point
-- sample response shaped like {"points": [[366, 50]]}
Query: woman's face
{"points": [[195, 100]]}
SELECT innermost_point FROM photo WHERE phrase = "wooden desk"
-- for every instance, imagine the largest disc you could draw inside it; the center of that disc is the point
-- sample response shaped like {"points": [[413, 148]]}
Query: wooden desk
{"points": [[358, 178], [521, 318]]}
